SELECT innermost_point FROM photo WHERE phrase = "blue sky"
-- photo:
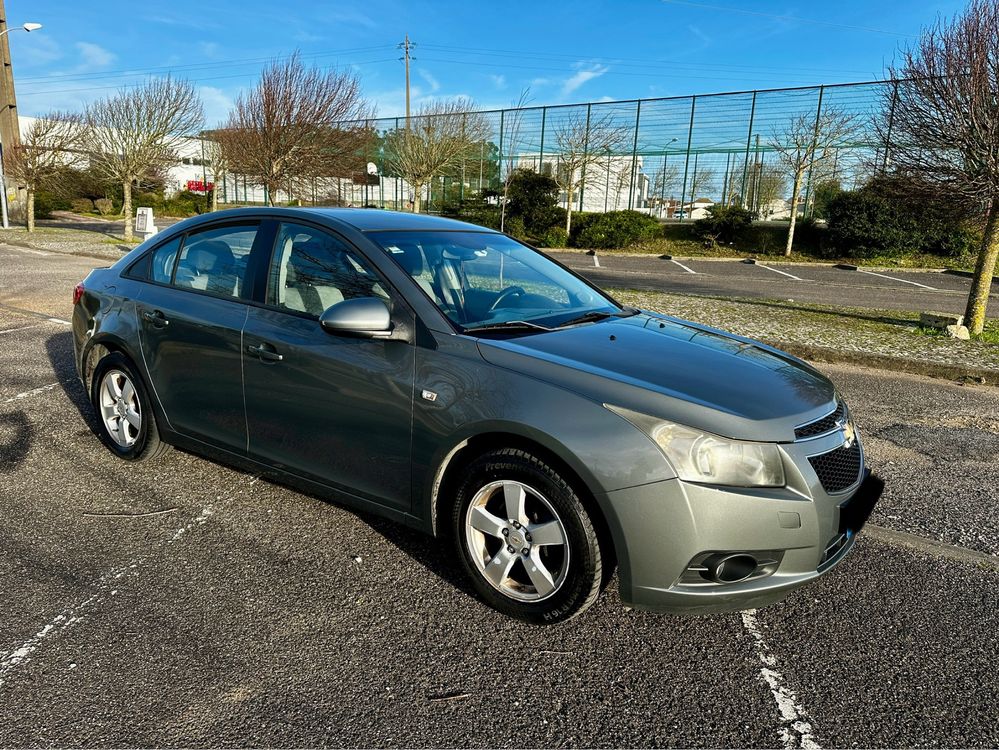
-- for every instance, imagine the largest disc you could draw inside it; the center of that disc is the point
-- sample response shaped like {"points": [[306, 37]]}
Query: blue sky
{"points": [[562, 51]]}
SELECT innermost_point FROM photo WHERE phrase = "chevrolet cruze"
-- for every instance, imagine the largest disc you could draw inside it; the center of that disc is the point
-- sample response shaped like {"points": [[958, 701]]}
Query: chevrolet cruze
{"points": [[458, 381]]}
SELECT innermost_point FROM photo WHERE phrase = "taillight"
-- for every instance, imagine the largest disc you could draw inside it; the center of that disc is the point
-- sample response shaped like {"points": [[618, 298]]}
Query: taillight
{"points": [[78, 292]]}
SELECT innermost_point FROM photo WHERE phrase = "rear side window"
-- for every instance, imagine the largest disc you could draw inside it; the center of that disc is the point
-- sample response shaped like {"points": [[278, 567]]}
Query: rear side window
{"points": [[162, 261], [216, 260]]}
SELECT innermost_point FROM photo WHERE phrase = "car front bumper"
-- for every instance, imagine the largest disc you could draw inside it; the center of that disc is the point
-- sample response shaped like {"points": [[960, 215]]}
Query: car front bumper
{"points": [[660, 529]]}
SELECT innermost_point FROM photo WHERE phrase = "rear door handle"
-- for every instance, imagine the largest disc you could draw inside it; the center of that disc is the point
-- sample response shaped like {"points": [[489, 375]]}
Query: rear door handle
{"points": [[265, 352], [156, 318]]}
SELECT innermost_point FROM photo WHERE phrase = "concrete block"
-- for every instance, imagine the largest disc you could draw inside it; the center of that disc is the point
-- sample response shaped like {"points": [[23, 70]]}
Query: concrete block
{"points": [[940, 320], [958, 332]]}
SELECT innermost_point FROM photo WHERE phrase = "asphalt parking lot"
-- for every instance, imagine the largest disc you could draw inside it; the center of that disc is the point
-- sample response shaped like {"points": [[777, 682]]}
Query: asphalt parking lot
{"points": [[183, 603], [803, 282]]}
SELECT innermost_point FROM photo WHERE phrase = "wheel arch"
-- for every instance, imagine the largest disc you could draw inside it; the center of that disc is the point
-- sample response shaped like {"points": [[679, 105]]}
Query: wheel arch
{"points": [[466, 450]]}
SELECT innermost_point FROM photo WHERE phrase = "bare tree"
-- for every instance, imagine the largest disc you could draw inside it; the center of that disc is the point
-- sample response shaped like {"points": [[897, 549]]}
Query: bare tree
{"points": [[804, 145], [942, 129], [767, 183], [291, 124], [516, 120], [218, 160], [47, 144], [436, 139], [136, 132], [583, 142], [664, 180], [701, 179]]}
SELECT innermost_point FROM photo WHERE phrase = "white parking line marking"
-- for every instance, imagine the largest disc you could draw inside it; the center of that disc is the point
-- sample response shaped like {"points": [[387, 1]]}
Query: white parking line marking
{"points": [[22, 328], [795, 731], [596, 260], [60, 321], [904, 281], [777, 270], [63, 621], [72, 615], [688, 270], [29, 250], [32, 392]]}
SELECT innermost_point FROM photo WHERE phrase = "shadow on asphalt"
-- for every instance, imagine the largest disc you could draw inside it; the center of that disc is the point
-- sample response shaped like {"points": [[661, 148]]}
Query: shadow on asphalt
{"points": [[17, 435], [434, 554]]}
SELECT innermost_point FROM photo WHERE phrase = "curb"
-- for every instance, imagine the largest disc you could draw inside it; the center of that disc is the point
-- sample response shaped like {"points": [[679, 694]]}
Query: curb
{"points": [[885, 362]]}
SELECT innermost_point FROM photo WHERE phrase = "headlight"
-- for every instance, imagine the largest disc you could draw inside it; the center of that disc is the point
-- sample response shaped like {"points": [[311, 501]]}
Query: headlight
{"points": [[702, 457]]}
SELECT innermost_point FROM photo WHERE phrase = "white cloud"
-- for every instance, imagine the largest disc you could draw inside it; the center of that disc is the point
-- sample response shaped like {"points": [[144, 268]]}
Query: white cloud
{"points": [[499, 81], [582, 76], [208, 49], [217, 104], [431, 81], [93, 56]]}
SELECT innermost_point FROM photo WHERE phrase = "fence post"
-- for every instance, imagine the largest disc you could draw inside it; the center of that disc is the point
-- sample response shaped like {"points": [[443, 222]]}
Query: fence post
{"points": [[499, 171], [586, 150], [541, 152], [749, 140], [891, 123], [634, 154], [686, 163], [815, 139]]}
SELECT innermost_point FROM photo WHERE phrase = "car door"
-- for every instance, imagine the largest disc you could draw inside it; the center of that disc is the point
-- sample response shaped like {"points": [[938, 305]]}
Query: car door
{"points": [[191, 319], [335, 409]]}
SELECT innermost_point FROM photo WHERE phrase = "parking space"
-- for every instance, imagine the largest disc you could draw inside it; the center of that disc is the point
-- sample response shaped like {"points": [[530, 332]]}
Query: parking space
{"points": [[823, 284], [183, 602]]}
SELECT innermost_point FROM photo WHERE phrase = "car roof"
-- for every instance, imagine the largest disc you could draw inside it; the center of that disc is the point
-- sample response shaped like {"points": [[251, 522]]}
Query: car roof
{"points": [[362, 219]]}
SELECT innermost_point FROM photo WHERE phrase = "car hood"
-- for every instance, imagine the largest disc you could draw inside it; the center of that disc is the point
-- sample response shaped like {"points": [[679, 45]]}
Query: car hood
{"points": [[675, 370]]}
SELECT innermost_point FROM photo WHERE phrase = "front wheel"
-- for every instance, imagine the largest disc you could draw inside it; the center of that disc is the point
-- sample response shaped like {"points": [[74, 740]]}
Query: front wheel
{"points": [[525, 539]]}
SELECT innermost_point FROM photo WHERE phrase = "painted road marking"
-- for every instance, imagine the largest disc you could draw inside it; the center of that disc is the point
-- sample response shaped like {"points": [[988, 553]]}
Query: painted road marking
{"points": [[688, 270], [893, 278], [32, 392], [783, 273], [60, 321], [22, 328], [596, 260], [795, 731]]}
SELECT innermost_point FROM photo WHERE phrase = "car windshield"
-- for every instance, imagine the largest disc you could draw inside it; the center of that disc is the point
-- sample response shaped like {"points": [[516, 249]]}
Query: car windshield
{"points": [[484, 280]]}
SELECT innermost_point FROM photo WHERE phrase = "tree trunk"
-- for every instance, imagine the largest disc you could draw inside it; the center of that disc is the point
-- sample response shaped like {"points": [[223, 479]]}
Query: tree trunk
{"points": [[30, 211], [795, 191], [215, 192], [568, 211], [417, 190], [981, 285], [126, 207]]}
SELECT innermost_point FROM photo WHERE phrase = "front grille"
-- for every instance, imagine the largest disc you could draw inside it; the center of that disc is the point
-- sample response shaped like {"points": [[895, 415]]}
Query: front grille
{"points": [[838, 469], [821, 426]]}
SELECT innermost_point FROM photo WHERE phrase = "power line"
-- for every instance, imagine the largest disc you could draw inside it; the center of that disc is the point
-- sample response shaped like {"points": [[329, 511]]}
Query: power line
{"points": [[58, 77], [781, 17]]}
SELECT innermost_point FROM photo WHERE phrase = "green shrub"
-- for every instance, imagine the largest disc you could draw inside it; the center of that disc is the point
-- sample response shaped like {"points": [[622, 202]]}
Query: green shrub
{"points": [[45, 204], [724, 224], [614, 229], [82, 205], [514, 226], [533, 198], [882, 219], [104, 206], [554, 237]]}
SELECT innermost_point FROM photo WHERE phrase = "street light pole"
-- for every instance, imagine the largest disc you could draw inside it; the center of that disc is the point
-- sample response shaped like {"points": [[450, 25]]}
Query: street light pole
{"points": [[9, 105]]}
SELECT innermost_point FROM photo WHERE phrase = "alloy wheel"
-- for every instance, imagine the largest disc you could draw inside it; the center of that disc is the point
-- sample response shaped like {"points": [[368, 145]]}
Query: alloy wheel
{"points": [[120, 408]]}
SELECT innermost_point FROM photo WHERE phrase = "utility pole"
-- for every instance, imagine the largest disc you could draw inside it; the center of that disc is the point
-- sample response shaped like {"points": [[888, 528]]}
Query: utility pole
{"points": [[10, 134], [406, 46]]}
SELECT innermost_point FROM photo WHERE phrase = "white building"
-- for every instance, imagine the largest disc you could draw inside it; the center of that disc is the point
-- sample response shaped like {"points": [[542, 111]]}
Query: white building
{"points": [[609, 183]]}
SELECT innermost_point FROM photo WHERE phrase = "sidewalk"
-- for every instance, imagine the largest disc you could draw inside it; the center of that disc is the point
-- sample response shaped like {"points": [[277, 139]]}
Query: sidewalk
{"points": [[886, 339]]}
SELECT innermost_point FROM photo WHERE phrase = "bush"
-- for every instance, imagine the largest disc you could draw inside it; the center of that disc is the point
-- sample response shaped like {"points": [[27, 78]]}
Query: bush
{"points": [[724, 224], [554, 237], [882, 219], [45, 204], [105, 206], [82, 205], [613, 229], [514, 226], [533, 198]]}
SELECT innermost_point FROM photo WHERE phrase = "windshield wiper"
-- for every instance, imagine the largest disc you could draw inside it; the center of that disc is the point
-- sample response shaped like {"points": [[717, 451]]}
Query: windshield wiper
{"points": [[507, 325], [594, 315]]}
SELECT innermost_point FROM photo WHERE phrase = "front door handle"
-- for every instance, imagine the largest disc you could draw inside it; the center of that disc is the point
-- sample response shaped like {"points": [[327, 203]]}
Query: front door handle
{"points": [[265, 352], [156, 318]]}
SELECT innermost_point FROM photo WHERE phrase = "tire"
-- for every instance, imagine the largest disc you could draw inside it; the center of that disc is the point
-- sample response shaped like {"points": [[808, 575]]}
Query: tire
{"points": [[126, 423], [555, 569]]}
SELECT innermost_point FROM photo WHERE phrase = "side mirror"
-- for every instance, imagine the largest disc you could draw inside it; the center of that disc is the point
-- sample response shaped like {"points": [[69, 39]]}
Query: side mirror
{"points": [[366, 317]]}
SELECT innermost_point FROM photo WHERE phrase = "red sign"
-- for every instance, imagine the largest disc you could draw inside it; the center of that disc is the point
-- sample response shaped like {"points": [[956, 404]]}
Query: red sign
{"points": [[198, 186]]}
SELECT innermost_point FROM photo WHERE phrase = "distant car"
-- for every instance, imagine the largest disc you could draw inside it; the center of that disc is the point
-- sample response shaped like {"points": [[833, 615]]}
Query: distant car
{"points": [[452, 378]]}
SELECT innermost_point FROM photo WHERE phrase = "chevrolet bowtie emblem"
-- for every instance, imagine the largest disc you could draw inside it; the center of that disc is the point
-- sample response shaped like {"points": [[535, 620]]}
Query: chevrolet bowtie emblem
{"points": [[849, 434]]}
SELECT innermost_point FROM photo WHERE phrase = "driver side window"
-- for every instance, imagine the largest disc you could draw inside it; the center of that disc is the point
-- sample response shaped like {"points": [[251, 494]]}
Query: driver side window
{"points": [[312, 270]]}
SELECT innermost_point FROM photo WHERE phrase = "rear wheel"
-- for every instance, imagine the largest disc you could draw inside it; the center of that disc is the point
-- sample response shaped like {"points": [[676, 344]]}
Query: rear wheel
{"points": [[525, 539], [126, 423]]}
